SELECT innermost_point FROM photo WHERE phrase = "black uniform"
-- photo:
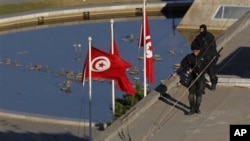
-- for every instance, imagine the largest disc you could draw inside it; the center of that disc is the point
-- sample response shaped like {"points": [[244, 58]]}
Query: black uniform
{"points": [[207, 42], [197, 64]]}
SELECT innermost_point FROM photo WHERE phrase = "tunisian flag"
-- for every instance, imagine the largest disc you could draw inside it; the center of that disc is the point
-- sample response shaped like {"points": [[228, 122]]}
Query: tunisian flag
{"points": [[106, 66], [123, 82], [149, 49]]}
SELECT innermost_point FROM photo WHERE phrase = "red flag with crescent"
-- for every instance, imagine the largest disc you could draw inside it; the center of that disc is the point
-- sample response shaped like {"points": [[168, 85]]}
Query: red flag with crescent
{"points": [[105, 66]]}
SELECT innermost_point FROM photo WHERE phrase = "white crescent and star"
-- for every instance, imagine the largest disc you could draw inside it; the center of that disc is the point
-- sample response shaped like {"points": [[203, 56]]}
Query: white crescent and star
{"points": [[100, 63], [149, 52], [149, 49]]}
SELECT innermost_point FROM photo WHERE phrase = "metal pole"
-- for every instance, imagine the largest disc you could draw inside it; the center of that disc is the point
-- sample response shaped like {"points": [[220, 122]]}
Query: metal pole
{"points": [[113, 82], [145, 48], [90, 90]]}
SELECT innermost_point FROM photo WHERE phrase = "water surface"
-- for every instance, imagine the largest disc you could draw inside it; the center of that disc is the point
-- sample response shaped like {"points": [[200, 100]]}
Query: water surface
{"points": [[33, 82]]}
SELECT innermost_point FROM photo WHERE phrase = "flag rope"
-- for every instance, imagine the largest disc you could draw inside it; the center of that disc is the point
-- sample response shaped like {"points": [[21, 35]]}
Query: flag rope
{"points": [[81, 115]]}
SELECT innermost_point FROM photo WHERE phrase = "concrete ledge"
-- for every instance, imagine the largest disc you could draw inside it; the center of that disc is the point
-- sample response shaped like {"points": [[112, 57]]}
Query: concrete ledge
{"points": [[84, 13], [121, 123], [45, 119], [229, 80]]}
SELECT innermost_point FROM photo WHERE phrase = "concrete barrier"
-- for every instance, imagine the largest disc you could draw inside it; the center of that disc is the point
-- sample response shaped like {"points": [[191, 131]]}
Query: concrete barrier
{"points": [[85, 13], [45, 119]]}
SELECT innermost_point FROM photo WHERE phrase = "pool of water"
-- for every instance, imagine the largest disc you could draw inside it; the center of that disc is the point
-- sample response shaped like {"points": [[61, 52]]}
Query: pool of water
{"points": [[34, 64]]}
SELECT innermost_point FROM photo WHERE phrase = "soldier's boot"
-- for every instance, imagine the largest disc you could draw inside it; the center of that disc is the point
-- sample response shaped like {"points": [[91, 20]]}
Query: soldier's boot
{"points": [[192, 104], [214, 81], [198, 103]]}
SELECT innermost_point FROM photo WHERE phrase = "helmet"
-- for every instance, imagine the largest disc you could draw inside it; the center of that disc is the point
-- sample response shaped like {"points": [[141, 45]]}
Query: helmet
{"points": [[195, 45], [204, 27]]}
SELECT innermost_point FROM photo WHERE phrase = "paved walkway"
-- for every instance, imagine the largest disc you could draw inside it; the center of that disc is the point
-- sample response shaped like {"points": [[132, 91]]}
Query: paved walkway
{"points": [[163, 122]]}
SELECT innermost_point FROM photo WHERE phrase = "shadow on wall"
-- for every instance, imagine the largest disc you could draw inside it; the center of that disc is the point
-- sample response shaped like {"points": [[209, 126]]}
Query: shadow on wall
{"points": [[175, 9], [239, 63]]}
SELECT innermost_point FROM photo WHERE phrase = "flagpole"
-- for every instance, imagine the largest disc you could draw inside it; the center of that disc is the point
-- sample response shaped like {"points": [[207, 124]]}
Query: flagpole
{"points": [[145, 49], [90, 90], [113, 82]]}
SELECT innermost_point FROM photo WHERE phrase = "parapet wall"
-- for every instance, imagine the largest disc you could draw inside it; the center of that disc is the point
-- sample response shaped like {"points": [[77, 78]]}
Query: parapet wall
{"points": [[83, 13]]}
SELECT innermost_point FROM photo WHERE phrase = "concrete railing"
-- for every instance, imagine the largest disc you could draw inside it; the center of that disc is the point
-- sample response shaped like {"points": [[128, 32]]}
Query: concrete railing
{"points": [[44, 119], [85, 13]]}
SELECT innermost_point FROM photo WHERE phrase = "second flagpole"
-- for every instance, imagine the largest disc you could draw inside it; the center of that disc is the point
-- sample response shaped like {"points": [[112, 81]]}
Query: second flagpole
{"points": [[90, 90], [113, 82], [145, 49]]}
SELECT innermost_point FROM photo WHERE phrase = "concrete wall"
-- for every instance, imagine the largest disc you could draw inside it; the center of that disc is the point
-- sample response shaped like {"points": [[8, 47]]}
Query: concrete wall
{"points": [[84, 13]]}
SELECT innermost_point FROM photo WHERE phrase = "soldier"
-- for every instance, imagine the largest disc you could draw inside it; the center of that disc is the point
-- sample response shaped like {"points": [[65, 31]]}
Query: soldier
{"points": [[195, 64], [207, 42]]}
